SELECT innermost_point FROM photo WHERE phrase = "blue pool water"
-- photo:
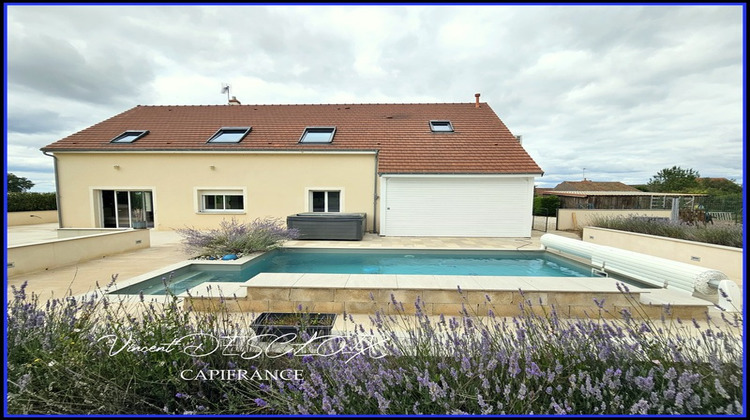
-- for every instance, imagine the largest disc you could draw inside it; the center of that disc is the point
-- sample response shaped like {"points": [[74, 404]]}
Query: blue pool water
{"points": [[461, 263]]}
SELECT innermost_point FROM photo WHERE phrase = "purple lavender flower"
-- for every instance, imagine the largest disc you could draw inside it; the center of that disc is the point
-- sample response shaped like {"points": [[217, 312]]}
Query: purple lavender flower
{"points": [[465, 364], [645, 384], [641, 407], [679, 399], [626, 315]]}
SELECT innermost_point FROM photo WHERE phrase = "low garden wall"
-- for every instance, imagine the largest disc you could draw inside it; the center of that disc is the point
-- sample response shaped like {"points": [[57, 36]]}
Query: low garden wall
{"points": [[28, 258], [63, 233], [726, 259], [20, 218]]}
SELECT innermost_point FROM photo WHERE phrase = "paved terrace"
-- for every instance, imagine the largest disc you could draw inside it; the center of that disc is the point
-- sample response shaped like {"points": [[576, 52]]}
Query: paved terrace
{"points": [[166, 250]]}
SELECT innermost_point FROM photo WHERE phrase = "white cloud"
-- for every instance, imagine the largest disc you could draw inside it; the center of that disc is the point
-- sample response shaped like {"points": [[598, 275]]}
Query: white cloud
{"points": [[623, 91]]}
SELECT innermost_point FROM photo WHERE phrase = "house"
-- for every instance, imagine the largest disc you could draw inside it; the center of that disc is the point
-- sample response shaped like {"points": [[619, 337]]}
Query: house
{"points": [[587, 185], [719, 185], [451, 169], [588, 194]]}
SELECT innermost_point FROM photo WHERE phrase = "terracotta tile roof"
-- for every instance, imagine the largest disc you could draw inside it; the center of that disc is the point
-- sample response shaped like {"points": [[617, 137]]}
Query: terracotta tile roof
{"points": [[480, 144], [541, 191], [618, 193], [702, 180], [587, 185]]}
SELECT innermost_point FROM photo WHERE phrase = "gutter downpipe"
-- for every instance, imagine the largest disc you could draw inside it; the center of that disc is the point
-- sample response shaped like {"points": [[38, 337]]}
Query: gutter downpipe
{"points": [[375, 196], [57, 191]]}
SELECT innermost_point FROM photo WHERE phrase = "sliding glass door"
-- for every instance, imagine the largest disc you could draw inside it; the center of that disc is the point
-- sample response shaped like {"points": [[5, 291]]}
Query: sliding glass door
{"points": [[124, 209]]}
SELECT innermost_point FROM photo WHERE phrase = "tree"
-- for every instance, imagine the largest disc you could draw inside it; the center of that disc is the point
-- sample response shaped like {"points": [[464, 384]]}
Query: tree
{"points": [[18, 184], [674, 179]]}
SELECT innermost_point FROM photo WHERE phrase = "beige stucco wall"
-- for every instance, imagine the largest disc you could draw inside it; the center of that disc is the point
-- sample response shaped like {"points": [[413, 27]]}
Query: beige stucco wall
{"points": [[574, 219], [45, 255], [19, 218], [274, 184], [726, 259]]}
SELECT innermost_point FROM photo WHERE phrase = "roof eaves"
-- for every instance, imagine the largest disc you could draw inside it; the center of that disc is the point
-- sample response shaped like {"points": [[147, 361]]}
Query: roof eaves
{"points": [[207, 150]]}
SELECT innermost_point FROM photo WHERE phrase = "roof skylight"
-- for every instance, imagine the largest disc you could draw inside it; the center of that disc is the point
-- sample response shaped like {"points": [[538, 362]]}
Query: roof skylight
{"points": [[318, 135], [129, 136], [442, 126], [229, 135]]}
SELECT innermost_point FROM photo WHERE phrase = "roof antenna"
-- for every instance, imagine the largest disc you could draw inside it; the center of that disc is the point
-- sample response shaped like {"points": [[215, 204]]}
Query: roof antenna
{"points": [[584, 174], [225, 89]]}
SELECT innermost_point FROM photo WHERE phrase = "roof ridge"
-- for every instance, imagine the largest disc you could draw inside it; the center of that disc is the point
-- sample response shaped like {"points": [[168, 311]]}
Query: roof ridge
{"points": [[320, 104]]}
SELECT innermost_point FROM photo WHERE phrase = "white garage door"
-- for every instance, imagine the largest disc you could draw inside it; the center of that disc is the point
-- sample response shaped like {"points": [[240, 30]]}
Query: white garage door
{"points": [[457, 206]]}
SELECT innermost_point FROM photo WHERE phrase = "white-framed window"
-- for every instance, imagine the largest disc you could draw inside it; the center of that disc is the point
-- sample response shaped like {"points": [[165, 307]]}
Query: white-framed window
{"points": [[325, 201], [221, 201]]}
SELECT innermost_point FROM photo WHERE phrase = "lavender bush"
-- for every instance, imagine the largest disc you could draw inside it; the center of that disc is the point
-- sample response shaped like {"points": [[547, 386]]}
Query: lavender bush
{"points": [[58, 363], [235, 237], [63, 357], [719, 234], [528, 365]]}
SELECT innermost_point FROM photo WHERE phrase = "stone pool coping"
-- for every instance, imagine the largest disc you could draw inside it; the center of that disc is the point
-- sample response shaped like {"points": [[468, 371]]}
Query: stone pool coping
{"points": [[478, 295]]}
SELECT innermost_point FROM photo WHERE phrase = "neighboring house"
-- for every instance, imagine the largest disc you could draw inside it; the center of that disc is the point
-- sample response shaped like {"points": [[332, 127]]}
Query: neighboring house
{"points": [[722, 185], [414, 169], [587, 185], [612, 195]]}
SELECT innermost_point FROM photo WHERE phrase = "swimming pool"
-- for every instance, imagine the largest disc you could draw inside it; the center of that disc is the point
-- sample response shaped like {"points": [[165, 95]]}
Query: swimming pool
{"points": [[334, 261]]}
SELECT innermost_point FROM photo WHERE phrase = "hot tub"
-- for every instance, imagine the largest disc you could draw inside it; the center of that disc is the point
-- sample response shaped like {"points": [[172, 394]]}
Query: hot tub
{"points": [[331, 226]]}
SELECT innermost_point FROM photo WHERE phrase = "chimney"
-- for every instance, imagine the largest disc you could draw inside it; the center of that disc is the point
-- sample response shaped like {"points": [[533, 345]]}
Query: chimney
{"points": [[234, 101], [476, 95], [520, 139]]}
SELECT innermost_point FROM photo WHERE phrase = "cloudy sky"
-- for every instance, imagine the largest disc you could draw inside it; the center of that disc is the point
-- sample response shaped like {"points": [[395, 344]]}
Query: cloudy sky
{"points": [[622, 91]]}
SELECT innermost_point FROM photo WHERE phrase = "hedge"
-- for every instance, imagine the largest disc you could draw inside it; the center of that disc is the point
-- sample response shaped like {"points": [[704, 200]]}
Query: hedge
{"points": [[546, 205], [31, 201]]}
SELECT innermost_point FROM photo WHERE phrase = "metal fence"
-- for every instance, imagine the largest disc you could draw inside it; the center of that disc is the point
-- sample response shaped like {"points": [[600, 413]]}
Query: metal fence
{"points": [[542, 223], [727, 208], [723, 207]]}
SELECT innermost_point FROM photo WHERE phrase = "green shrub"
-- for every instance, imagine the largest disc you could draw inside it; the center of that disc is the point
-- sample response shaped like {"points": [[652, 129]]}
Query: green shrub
{"points": [[546, 205], [31, 201]]}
